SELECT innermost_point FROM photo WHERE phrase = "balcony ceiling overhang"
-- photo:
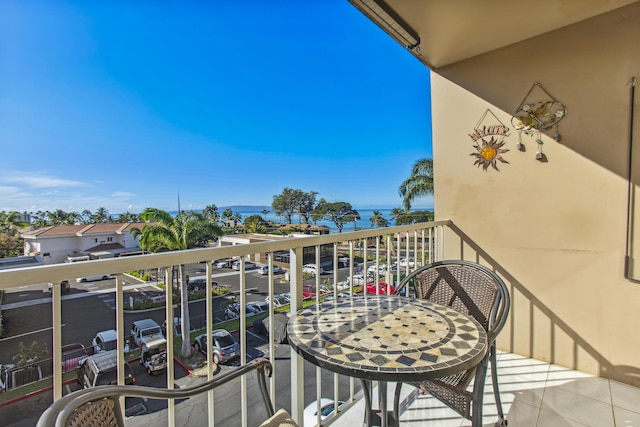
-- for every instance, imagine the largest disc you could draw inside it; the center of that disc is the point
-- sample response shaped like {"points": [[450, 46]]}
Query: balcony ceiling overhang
{"points": [[450, 31]]}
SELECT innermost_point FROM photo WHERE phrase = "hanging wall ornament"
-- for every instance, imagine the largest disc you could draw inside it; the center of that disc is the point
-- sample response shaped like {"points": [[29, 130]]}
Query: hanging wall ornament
{"points": [[488, 141], [534, 116]]}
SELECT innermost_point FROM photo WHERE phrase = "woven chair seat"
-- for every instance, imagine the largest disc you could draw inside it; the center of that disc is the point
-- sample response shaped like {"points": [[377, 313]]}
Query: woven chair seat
{"points": [[97, 413]]}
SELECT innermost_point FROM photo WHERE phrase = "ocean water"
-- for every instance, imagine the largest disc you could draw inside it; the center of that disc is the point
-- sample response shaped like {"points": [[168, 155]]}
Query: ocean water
{"points": [[363, 224]]}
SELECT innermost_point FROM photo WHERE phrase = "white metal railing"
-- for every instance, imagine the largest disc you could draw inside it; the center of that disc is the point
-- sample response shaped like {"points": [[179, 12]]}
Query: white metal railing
{"points": [[418, 244]]}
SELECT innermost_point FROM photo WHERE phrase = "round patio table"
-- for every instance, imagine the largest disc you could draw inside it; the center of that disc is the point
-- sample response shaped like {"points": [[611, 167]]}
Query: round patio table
{"points": [[387, 338]]}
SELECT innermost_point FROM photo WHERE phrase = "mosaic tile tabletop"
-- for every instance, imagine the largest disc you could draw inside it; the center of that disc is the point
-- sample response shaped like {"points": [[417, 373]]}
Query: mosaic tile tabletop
{"points": [[387, 338]]}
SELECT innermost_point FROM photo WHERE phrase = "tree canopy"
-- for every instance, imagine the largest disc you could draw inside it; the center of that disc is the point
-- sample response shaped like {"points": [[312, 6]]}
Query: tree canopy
{"points": [[337, 212], [419, 183], [294, 202]]}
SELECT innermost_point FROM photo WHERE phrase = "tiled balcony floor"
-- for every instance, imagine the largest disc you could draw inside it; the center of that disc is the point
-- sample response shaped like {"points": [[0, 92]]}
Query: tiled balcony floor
{"points": [[534, 394]]}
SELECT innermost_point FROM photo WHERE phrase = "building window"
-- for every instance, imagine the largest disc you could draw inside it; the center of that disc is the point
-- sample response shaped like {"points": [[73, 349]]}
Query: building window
{"points": [[95, 240], [46, 254], [109, 239]]}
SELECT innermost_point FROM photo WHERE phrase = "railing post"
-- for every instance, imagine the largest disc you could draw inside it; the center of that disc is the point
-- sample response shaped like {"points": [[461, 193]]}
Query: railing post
{"points": [[171, 408], [120, 328], [297, 363], [56, 309], [209, 332]]}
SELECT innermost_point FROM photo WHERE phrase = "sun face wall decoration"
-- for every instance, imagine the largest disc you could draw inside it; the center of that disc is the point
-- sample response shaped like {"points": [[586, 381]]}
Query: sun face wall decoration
{"points": [[488, 142]]}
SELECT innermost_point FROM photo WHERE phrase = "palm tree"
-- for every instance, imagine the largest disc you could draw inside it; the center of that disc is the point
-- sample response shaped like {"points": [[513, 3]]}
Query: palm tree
{"points": [[166, 233], [254, 224], [128, 217], [419, 184], [86, 216], [211, 212], [396, 213], [377, 220], [226, 216], [101, 216]]}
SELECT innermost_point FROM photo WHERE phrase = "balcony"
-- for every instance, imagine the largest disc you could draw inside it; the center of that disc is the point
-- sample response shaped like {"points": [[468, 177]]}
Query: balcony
{"points": [[532, 389]]}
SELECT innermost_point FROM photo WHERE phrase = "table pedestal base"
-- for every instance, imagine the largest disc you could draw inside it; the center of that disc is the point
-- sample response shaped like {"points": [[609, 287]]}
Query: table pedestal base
{"points": [[380, 417]]}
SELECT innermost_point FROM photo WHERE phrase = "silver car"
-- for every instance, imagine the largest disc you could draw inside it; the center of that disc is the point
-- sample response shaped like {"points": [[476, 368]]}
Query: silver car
{"points": [[224, 346]]}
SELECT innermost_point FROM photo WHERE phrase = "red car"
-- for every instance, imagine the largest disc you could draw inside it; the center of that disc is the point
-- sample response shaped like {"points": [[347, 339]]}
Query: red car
{"points": [[381, 288], [308, 292]]}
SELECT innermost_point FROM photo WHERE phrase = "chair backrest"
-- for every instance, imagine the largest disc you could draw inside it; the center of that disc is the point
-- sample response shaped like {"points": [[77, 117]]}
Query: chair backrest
{"points": [[99, 405], [465, 286]]}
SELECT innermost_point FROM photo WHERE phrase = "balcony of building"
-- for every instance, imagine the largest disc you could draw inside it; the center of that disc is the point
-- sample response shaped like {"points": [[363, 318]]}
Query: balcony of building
{"points": [[557, 220], [535, 392]]}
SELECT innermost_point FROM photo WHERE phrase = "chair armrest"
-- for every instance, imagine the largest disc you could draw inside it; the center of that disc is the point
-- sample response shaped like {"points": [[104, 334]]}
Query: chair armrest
{"points": [[59, 412]]}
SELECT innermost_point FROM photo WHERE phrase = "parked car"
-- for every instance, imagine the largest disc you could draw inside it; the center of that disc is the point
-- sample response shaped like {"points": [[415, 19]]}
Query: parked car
{"points": [[105, 341], [145, 330], [4, 368], [177, 327], [310, 414], [153, 355], [65, 286], [382, 269], [264, 269], [308, 291], [341, 295], [278, 300], [95, 278], [358, 280], [224, 263], [310, 269], [224, 346], [199, 283], [248, 265], [72, 355], [102, 369], [404, 262], [286, 296], [259, 306], [232, 311], [382, 288]]}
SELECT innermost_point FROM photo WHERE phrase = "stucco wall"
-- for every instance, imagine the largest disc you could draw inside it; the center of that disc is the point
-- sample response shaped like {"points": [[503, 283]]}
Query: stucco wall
{"points": [[555, 230]]}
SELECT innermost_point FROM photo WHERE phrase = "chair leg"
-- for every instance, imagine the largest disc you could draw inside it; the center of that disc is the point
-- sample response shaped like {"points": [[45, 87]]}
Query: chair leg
{"points": [[396, 403], [478, 392], [496, 389]]}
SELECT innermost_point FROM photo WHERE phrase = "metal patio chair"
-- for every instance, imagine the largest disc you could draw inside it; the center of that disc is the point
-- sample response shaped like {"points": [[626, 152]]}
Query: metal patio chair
{"points": [[477, 291], [100, 406]]}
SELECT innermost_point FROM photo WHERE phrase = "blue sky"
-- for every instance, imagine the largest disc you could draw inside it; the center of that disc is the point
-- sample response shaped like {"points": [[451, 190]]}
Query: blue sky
{"points": [[125, 105]]}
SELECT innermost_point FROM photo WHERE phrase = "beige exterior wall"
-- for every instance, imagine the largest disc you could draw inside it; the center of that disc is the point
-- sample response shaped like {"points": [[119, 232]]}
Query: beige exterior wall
{"points": [[556, 229]]}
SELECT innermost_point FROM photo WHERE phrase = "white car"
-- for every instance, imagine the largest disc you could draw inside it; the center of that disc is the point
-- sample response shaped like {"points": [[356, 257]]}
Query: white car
{"points": [[105, 341], [94, 278], [382, 269], [278, 300], [264, 269], [248, 265], [310, 415], [408, 262], [310, 269], [341, 295], [358, 279]]}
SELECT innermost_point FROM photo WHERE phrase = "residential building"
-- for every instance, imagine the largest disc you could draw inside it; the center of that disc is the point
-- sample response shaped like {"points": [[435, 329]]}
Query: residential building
{"points": [[68, 243]]}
